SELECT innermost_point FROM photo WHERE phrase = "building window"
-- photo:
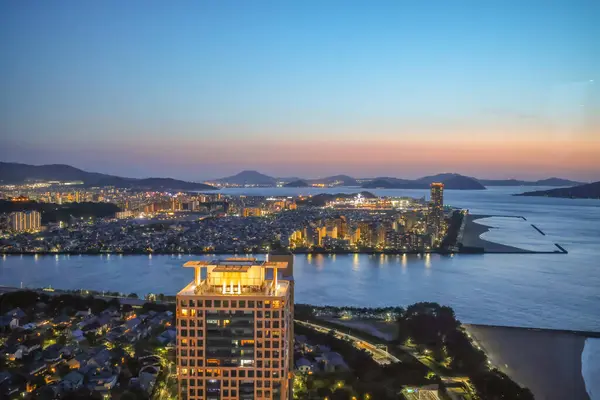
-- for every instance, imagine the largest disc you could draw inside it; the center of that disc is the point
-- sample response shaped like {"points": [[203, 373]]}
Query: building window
{"points": [[242, 303], [226, 303], [208, 303], [217, 303], [251, 303], [233, 304]]}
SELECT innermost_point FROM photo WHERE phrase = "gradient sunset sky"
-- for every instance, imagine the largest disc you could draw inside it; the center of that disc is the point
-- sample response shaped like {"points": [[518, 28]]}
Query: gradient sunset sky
{"points": [[204, 89]]}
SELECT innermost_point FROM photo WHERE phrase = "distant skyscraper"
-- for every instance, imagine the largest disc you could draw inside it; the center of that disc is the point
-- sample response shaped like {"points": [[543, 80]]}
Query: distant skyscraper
{"points": [[234, 330], [25, 221], [437, 205]]}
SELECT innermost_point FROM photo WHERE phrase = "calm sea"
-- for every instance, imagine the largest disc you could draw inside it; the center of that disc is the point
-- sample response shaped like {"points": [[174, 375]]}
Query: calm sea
{"points": [[536, 290]]}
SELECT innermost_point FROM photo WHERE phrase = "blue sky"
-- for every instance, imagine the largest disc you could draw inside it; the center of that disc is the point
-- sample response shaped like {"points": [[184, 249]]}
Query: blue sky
{"points": [[203, 89]]}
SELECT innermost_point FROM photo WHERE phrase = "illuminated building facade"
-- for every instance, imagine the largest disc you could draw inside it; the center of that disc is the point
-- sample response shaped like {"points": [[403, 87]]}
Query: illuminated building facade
{"points": [[25, 221], [234, 330], [252, 212], [437, 205]]}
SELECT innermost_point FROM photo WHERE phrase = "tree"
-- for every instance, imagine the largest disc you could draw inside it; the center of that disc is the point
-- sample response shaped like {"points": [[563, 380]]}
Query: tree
{"points": [[63, 369], [61, 339], [114, 303], [91, 338], [132, 296]]}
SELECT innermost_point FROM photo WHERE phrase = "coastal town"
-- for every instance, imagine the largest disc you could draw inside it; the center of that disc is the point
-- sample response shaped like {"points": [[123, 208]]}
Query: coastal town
{"points": [[111, 220]]}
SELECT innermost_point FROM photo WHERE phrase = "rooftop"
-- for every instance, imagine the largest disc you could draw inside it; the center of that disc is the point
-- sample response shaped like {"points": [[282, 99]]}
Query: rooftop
{"points": [[266, 290]]}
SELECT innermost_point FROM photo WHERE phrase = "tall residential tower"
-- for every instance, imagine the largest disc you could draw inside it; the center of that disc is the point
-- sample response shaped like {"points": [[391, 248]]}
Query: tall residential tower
{"points": [[437, 206], [234, 330]]}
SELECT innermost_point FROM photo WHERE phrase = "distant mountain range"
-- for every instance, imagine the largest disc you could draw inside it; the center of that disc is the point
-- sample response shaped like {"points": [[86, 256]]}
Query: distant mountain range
{"points": [[516, 182], [15, 173], [450, 180], [587, 191]]}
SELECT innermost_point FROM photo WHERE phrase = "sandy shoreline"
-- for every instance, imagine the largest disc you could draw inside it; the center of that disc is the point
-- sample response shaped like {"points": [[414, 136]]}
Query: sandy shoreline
{"points": [[471, 237], [547, 362]]}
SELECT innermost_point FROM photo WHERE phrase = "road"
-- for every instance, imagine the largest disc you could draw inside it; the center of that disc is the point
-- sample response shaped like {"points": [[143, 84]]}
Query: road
{"points": [[379, 355]]}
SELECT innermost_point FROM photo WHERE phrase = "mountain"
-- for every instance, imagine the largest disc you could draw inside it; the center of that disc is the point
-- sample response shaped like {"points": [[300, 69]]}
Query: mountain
{"points": [[15, 173], [450, 181], [438, 178], [249, 178], [393, 183], [321, 199], [460, 182], [502, 182], [341, 180], [516, 182], [557, 182], [297, 183], [587, 191]]}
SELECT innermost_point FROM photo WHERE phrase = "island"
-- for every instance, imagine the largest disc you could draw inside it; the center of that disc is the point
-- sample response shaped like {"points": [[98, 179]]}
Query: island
{"points": [[297, 184], [587, 191], [450, 181]]}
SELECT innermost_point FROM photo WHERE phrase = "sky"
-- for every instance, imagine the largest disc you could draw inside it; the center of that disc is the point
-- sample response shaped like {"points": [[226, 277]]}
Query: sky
{"points": [[204, 89]]}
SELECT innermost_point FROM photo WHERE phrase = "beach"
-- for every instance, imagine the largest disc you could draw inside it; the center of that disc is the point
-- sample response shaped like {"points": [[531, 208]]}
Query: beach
{"points": [[548, 362], [472, 237]]}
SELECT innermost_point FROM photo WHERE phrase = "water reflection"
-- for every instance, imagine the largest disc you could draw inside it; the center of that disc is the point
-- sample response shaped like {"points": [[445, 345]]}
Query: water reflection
{"points": [[319, 261], [427, 264], [355, 262]]}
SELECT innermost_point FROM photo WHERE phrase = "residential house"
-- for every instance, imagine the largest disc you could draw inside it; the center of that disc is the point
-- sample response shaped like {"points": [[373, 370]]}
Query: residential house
{"points": [[72, 381], [304, 366]]}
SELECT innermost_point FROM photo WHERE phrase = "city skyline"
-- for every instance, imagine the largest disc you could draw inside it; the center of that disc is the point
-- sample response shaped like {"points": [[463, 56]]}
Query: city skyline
{"points": [[201, 91]]}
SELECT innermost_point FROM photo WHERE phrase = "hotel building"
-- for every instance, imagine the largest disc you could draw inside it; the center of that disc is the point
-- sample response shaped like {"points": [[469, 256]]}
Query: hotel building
{"points": [[235, 330]]}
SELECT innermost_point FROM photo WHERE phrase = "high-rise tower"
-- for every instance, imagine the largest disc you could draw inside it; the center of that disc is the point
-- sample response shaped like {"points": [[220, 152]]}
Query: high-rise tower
{"points": [[234, 330]]}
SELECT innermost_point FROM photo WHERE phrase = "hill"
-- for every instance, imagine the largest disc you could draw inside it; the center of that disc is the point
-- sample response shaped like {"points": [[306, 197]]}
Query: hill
{"points": [[557, 182], [542, 182], [450, 181], [460, 182], [248, 178], [438, 177], [52, 212], [339, 180], [587, 191], [298, 183], [394, 183], [321, 199], [15, 173]]}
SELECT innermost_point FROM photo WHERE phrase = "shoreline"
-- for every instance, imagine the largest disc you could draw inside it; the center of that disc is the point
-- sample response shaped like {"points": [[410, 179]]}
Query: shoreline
{"points": [[547, 361], [470, 250], [472, 241]]}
